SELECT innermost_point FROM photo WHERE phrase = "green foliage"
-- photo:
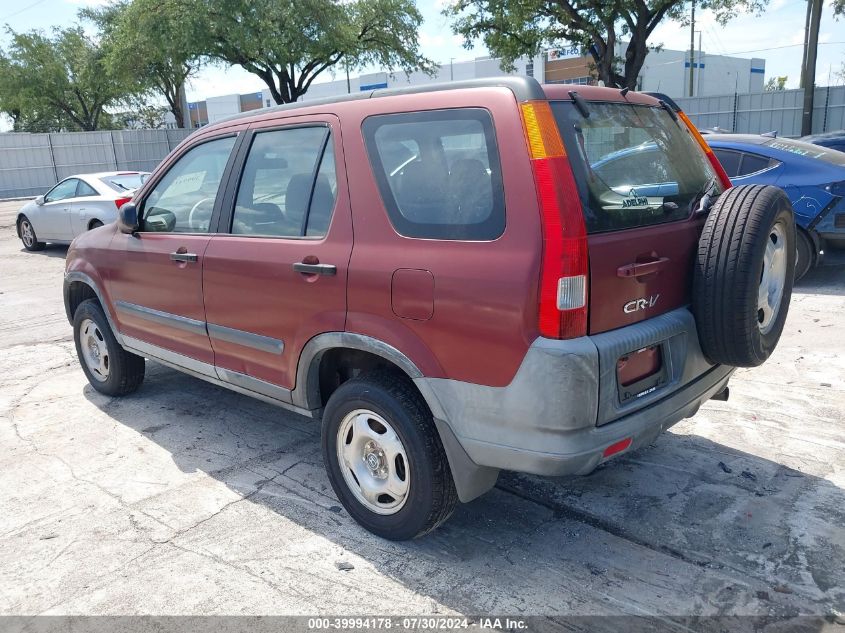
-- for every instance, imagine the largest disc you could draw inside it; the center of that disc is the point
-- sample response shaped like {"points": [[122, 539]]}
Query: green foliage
{"points": [[58, 82], [512, 28], [289, 43], [152, 44], [776, 83]]}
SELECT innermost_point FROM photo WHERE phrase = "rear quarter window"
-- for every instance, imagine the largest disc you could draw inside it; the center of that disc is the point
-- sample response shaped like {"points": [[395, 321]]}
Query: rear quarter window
{"points": [[438, 173]]}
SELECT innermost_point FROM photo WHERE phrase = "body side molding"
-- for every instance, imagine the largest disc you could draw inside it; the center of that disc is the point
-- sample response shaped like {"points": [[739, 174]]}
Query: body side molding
{"points": [[165, 318], [247, 339]]}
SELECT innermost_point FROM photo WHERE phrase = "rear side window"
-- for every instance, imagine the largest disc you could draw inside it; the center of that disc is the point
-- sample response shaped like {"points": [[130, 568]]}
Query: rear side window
{"points": [[752, 163], [289, 184], [729, 160], [634, 165], [438, 173]]}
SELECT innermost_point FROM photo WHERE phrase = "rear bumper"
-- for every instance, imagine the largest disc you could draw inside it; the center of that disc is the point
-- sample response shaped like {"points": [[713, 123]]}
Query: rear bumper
{"points": [[562, 409]]}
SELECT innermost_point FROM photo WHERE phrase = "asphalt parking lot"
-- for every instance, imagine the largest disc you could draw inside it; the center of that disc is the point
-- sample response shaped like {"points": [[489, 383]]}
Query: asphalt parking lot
{"points": [[185, 498]]}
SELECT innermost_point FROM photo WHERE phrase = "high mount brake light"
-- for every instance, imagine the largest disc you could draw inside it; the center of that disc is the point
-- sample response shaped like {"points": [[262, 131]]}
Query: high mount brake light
{"points": [[564, 265]]}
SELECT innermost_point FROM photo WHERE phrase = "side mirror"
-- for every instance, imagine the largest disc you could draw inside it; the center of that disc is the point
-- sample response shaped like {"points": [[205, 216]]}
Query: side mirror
{"points": [[127, 218], [39, 200]]}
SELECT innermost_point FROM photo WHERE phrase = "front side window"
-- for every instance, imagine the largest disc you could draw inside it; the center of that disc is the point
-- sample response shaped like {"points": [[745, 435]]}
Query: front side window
{"points": [[438, 173], [183, 200], [64, 190], [288, 187], [635, 166]]}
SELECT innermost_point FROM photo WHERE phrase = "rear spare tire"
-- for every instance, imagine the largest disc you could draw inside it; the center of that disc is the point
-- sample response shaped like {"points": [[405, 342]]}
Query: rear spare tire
{"points": [[743, 275]]}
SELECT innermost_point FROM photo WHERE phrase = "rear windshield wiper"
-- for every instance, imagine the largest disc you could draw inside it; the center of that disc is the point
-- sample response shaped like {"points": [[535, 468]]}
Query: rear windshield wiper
{"points": [[579, 102], [703, 197]]}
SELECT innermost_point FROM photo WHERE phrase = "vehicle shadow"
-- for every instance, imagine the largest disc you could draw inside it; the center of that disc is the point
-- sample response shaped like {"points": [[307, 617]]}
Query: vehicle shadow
{"points": [[50, 250], [684, 527], [823, 280]]}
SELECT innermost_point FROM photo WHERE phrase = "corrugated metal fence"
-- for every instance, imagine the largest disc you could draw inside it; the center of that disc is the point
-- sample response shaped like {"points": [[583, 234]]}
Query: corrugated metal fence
{"points": [[32, 163], [767, 111]]}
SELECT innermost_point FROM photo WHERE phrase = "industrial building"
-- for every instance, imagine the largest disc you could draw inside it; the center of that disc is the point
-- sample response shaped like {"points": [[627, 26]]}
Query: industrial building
{"points": [[665, 71]]}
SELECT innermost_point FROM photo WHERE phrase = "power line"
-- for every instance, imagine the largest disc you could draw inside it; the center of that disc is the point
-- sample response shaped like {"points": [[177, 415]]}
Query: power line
{"points": [[26, 8]]}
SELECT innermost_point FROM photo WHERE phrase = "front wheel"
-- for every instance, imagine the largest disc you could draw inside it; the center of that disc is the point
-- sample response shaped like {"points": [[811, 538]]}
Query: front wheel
{"points": [[384, 457], [28, 237], [109, 368]]}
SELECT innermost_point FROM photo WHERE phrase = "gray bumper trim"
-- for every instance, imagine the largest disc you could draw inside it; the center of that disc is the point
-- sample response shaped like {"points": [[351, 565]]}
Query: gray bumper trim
{"points": [[562, 407]]}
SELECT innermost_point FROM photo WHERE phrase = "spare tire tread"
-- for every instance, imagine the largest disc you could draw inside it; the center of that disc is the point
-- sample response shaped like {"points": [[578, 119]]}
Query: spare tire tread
{"points": [[727, 272]]}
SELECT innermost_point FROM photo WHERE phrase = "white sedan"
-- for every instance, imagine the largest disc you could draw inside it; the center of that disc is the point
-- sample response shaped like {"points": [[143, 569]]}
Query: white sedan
{"points": [[76, 204]]}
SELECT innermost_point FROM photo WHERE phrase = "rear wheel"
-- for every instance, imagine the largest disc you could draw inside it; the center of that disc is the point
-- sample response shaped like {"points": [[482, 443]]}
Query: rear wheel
{"points": [[384, 457], [743, 275], [94, 224], [805, 258], [109, 368], [28, 237]]}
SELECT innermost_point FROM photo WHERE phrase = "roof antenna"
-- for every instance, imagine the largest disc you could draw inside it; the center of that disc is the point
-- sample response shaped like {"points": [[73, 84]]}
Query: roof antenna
{"points": [[624, 91]]}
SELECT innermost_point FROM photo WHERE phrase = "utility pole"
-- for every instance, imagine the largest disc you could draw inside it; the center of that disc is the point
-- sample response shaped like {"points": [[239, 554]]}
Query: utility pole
{"points": [[692, 50], [809, 70]]}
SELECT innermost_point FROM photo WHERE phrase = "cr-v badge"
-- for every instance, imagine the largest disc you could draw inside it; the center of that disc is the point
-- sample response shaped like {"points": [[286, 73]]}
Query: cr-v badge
{"points": [[640, 304]]}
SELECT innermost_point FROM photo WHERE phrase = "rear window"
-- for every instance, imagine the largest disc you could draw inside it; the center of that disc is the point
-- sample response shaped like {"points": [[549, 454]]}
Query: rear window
{"points": [[438, 173], [634, 165], [827, 154], [124, 182]]}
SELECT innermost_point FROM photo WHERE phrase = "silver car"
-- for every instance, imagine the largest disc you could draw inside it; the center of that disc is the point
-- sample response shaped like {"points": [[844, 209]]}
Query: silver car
{"points": [[76, 204]]}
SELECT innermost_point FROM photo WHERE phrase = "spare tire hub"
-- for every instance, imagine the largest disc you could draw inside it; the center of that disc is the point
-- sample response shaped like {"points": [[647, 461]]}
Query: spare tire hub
{"points": [[772, 279]]}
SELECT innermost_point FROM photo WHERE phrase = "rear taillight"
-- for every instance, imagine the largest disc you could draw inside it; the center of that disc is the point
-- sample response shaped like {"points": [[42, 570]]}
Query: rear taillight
{"points": [[119, 202], [563, 277], [717, 166]]}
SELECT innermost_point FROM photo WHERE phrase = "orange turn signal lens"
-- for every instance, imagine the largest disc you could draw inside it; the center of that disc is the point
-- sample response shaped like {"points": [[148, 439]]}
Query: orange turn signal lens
{"points": [[541, 130]]}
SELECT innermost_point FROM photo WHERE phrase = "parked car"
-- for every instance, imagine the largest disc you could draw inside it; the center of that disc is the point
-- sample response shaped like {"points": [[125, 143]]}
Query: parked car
{"points": [[498, 305], [813, 177], [76, 204], [833, 140]]}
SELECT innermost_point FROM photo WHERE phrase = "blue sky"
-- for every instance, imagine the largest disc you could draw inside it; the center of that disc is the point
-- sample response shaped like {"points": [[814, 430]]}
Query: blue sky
{"points": [[776, 36]]}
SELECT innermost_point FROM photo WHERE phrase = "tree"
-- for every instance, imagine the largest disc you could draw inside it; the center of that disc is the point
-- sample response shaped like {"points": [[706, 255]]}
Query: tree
{"points": [[512, 28], [289, 43], [56, 83], [153, 42], [776, 83]]}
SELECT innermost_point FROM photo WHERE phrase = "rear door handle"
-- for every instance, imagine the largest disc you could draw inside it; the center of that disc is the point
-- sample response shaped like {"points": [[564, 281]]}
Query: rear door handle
{"points": [[315, 269], [641, 269], [183, 257]]}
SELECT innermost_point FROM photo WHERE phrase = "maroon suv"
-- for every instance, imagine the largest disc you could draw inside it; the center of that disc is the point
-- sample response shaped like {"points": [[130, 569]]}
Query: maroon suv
{"points": [[455, 279]]}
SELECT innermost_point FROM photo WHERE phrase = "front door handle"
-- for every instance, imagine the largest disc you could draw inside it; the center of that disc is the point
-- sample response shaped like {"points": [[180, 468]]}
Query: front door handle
{"points": [[183, 257], [315, 269]]}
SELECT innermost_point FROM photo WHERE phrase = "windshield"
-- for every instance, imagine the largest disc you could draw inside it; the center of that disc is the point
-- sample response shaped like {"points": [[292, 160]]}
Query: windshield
{"points": [[125, 182], [827, 154], [635, 166]]}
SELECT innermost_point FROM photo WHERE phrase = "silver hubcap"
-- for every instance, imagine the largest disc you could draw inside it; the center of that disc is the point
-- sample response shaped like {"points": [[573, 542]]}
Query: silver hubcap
{"points": [[27, 234], [94, 350], [772, 279], [373, 461]]}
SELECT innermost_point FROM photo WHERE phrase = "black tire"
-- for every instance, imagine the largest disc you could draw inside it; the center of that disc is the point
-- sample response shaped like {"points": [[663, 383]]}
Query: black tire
{"points": [[805, 258], [33, 244], [729, 270], [125, 370], [431, 496], [95, 224]]}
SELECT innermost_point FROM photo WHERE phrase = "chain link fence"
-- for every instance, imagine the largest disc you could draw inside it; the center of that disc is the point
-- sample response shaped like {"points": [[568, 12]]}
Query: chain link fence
{"points": [[32, 163]]}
